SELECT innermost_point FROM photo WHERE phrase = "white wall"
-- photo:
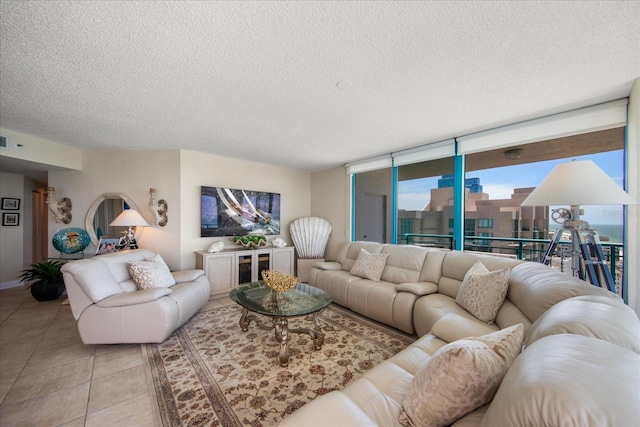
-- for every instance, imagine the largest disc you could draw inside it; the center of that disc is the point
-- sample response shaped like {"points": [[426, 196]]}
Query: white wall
{"points": [[198, 169], [330, 199], [633, 187], [12, 237], [40, 150], [177, 175]]}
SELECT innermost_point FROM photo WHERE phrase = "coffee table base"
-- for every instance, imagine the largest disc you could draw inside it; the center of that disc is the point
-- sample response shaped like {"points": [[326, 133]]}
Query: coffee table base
{"points": [[281, 328]]}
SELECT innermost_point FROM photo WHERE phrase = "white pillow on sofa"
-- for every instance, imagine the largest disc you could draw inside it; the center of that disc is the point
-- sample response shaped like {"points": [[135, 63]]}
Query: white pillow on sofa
{"points": [[460, 377], [151, 273], [369, 265], [482, 292]]}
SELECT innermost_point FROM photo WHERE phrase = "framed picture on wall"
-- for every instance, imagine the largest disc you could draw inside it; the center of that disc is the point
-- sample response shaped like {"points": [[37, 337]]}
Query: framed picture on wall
{"points": [[107, 245], [10, 204], [10, 219]]}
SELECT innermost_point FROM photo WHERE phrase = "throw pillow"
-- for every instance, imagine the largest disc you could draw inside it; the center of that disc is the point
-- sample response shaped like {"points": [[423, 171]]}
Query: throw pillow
{"points": [[459, 378], [482, 292], [152, 273], [369, 266]]}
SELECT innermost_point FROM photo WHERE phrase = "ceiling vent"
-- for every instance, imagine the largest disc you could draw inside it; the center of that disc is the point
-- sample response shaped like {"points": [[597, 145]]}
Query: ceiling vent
{"points": [[3, 141]]}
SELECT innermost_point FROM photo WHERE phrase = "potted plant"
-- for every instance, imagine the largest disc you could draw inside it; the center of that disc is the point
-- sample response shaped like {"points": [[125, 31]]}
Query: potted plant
{"points": [[48, 283]]}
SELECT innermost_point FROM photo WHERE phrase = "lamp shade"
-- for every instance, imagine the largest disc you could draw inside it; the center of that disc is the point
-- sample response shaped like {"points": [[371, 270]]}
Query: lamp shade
{"points": [[129, 218], [580, 182]]}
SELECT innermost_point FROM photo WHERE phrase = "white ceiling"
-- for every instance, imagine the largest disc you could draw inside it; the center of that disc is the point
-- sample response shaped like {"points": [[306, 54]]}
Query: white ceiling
{"points": [[261, 80]]}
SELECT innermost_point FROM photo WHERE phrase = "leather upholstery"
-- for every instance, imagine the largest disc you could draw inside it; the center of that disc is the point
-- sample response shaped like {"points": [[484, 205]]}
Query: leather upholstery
{"points": [[109, 308], [582, 343]]}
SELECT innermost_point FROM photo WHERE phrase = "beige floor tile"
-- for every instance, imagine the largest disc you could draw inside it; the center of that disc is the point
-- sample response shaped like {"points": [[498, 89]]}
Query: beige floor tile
{"points": [[78, 422], [46, 381], [60, 355], [48, 410], [136, 411], [14, 357], [118, 360], [116, 388], [55, 337], [5, 385]]}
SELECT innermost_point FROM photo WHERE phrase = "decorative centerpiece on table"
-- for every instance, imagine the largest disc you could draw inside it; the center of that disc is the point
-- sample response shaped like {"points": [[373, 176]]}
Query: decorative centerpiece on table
{"points": [[250, 241], [279, 283]]}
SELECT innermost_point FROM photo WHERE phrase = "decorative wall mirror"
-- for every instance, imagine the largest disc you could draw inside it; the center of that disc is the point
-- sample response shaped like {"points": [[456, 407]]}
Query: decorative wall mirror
{"points": [[104, 210]]}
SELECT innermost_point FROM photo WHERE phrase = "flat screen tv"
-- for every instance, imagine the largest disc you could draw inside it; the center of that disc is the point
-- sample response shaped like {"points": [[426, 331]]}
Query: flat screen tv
{"points": [[230, 212]]}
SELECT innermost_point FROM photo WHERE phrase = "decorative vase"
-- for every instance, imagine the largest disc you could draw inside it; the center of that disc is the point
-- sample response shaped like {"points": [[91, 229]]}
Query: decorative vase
{"points": [[46, 291]]}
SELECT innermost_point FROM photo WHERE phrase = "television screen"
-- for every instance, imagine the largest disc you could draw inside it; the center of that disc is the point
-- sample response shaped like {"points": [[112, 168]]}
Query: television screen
{"points": [[229, 212]]}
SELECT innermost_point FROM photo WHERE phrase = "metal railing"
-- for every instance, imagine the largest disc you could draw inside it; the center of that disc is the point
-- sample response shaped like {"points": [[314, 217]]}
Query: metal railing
{"points": [[524, 249]]}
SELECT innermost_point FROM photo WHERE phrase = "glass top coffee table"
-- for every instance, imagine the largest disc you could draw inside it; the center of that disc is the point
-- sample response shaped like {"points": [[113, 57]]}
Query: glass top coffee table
{"points": [[302, 300]]}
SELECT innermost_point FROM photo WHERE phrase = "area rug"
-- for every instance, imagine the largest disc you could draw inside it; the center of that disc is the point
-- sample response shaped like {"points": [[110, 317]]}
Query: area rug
{"points": [[209, 373]]}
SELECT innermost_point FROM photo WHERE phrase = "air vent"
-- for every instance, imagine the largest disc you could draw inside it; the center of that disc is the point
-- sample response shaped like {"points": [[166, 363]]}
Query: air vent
{"points": [[3, 141]]}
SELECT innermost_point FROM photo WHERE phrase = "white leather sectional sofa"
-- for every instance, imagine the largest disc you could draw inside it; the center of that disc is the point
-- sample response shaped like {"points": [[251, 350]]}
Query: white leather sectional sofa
{"points": [[110, 309], [580, 363]]}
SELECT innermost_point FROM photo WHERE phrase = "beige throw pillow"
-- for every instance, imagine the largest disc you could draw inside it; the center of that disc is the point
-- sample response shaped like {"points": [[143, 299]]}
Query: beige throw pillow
{"points": [[152, 273], [482, 292], [459, 378], [369, 266]]}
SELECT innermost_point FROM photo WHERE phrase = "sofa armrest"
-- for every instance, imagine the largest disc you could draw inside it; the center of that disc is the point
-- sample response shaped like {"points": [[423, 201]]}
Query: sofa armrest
{"points": [[452, 327], [419, 288], [328, 265], [187, 275], [135, 297]]}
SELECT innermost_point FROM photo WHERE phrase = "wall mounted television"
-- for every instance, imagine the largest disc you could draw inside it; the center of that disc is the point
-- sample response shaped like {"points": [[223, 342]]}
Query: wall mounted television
{"points": [[230, 212]]}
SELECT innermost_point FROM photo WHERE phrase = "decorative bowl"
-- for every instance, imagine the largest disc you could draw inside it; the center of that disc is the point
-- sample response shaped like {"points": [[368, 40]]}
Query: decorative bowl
{"points": [[251, 241], [71, 240], [279, 282]]}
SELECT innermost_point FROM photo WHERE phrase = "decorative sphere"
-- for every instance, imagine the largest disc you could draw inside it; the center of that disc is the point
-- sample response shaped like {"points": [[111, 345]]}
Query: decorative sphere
{"points": [[71, 240]]}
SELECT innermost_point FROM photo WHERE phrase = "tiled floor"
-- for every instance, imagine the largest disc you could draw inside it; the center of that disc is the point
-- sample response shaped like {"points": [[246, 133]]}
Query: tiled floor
{"points": [[48, 377]]}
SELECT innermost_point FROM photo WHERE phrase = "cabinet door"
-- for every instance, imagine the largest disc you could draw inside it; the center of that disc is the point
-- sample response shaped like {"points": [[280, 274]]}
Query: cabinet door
{"points": [[282, 260], [220, 269], [262, 262], [245, 273]]}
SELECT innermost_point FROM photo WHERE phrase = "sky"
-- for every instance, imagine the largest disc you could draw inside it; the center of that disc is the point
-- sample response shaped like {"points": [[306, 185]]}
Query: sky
{"points": [[499, 183]]}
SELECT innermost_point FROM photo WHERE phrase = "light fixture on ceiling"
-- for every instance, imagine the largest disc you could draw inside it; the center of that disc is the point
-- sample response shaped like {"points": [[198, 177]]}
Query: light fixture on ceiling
{"points": [[514, 153], [579, 183], [129, 218]]}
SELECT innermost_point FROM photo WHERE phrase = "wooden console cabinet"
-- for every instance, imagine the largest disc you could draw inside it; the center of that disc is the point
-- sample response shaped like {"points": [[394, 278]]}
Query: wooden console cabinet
{"points": [[231, 267]]}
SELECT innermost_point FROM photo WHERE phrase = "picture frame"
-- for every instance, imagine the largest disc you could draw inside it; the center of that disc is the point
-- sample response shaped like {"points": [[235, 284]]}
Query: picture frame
{"points": [[10, 204], [10, 219], [107, 245]]}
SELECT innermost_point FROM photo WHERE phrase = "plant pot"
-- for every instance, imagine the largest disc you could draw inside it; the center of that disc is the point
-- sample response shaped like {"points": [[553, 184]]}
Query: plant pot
{"points": [[47, 291]]}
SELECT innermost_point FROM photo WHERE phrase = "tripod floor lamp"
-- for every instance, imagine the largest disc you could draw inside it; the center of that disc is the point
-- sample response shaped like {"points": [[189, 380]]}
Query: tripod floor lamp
{"points": [[575, 184]]}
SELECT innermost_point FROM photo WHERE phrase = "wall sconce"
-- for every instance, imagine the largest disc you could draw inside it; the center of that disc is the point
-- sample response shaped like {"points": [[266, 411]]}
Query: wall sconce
{"points": [[159, 208], [513, 154], [62, 209]]}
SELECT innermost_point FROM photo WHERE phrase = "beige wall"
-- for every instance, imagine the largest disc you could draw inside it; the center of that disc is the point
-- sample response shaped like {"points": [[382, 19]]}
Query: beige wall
{"points": [[633, 187], [40, 150], [198, 169], [330, 199], [11, 238]]}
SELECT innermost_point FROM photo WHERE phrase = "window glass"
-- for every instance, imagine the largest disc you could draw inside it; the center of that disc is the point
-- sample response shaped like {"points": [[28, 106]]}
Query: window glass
{"points": [[372, 210]]}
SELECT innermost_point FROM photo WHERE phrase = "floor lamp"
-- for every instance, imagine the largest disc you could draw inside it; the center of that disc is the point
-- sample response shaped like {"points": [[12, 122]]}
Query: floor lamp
{"points": [[129, 218], [579, 183]]}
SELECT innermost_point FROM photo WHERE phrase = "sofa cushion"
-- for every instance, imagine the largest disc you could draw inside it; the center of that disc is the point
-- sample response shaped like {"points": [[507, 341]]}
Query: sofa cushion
{"points": [[452, 327], [482, 291], [94, 277], [568, 380], [369, 265], [459, 378], [152, 273], [595, 316]]}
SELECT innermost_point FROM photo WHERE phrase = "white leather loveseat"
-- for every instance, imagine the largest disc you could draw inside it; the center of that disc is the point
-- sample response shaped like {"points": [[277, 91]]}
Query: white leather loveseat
{"points": [[110, 309], [580, 363]]}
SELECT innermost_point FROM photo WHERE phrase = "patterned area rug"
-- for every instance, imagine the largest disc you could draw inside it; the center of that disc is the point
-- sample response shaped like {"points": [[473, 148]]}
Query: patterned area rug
{"points": [[210, 373]]}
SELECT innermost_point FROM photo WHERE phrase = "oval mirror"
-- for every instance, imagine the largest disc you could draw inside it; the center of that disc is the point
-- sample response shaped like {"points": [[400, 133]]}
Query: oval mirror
{"points": [[103, 211]]}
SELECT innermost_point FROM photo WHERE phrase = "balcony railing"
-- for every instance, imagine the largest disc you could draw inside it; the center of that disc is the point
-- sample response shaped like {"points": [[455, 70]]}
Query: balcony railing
{"points": [[525, 249]]}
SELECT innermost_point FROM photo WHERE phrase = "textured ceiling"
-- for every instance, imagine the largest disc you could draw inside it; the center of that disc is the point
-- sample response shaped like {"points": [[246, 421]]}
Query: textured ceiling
{"points": [[259, 80]]}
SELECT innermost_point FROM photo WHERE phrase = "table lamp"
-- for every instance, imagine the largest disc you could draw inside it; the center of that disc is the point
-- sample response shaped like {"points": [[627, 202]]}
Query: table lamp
{"points": [[129, 218], [579, 183]]}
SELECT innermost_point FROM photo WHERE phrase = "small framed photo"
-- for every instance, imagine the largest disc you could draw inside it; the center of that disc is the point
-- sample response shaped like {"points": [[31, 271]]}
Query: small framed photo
{"points": [[10, 219], [107, 245], [10, 204]]}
